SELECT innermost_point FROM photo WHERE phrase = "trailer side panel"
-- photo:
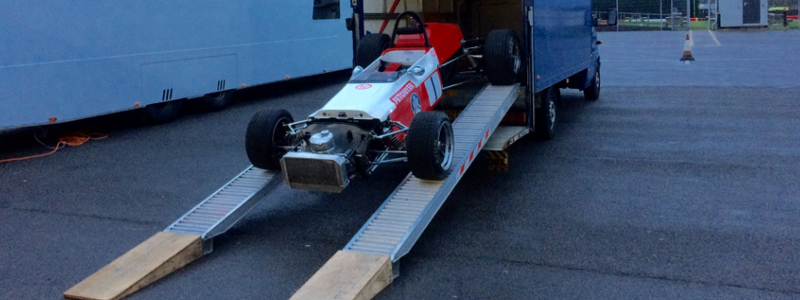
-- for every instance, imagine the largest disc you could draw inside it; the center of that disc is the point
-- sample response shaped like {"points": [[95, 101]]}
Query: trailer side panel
{"points": [[562, 40]]}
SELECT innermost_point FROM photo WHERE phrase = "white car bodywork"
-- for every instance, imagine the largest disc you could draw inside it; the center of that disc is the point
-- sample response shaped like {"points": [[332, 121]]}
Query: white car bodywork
{"points": [[368, 100]]}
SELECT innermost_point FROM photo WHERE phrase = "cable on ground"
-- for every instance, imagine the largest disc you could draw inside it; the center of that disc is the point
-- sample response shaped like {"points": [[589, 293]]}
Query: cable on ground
{"points": [[73, 139]]}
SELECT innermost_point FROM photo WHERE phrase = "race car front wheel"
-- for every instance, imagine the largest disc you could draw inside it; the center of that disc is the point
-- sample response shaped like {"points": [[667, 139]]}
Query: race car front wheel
{"points": [[502, 57], [429, 145], [266, 136]]}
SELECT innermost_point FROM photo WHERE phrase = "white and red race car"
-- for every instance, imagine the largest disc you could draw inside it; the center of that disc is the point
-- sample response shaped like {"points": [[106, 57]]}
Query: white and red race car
{"points": [[385, 113]]}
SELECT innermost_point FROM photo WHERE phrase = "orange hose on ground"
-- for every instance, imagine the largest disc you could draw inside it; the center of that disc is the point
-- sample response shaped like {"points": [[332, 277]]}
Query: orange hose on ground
{"points": [[74, 139]]}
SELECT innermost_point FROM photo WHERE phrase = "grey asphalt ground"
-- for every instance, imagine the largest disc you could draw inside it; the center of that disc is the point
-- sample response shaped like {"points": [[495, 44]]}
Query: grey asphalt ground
{"points": [[681, 182]]}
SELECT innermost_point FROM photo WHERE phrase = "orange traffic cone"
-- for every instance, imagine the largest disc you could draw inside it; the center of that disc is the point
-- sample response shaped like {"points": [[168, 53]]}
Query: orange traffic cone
{"points": [[687, 51]]}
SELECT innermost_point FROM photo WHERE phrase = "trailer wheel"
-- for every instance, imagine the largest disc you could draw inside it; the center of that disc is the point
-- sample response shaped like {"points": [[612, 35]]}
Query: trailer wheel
{"points": [[217, 101], [163, 112], [429, 145], [266, 134], [502, 58], [592, 92], [370, 48], [546, 115]]}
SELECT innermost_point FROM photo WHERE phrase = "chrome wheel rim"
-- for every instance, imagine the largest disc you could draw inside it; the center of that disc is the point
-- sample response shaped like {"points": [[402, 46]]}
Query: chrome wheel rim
{"points": [[515, 55], [597, 82], [279, 137], [445, 146], [551, 107]]}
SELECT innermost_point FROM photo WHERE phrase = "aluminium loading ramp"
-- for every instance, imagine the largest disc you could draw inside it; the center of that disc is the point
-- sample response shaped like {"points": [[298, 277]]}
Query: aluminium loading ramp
{"points": [[360, 270], [220, 211], [186, 240]]}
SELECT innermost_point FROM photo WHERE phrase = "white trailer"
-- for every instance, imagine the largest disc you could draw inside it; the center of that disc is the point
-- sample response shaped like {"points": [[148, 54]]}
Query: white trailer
{"points": [[68, 60]]}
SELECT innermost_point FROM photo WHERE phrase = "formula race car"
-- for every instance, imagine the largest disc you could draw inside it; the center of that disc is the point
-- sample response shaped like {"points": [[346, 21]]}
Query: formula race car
{"points": [[385, 113]]}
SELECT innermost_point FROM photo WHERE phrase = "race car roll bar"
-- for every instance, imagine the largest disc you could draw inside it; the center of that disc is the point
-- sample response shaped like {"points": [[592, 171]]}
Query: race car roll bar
{"points": [[420, 29]]}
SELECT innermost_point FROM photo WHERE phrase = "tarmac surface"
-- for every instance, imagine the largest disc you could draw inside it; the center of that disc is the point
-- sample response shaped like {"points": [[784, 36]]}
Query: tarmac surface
{"points": [[681, 182]]}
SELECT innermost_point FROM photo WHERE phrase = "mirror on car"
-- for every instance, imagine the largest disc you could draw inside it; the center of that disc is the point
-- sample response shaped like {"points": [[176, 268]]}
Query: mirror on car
{"points": [[417, 71], [357, 70], [612, 17]]}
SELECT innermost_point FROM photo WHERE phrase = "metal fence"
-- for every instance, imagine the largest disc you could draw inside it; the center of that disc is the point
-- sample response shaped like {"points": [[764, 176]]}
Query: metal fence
{"points": [[646, 14], [783, 14], [684, 14]]}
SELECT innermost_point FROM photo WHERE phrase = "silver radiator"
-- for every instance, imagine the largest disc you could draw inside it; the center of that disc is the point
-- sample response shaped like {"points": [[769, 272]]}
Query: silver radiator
{"points": [[315, 172]]}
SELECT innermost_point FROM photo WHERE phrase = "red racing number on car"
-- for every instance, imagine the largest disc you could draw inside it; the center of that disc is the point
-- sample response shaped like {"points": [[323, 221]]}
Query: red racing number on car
{"points": [[362, 87]]}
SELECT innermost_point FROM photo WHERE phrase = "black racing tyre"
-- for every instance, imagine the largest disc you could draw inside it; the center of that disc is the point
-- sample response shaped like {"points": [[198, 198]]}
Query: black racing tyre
{"points": [[546, 115], [370, 48], [217, 101], [429, 145], [266, 133], [502, 59], [163, 112], [592, 92]]}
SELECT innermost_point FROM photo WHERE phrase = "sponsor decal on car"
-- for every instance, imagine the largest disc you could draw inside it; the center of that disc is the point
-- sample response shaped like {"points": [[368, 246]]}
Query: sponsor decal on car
{"points": [[362, 87], [416, 104], [403, 93]]}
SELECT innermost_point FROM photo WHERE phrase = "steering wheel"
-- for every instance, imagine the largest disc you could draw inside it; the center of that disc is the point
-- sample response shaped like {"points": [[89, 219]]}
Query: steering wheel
{"points": [[420, 29]]}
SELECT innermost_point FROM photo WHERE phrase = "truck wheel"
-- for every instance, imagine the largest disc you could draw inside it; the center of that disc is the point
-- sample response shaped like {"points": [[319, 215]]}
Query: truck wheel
{"points": [[266, 134], [217, 101], [592, 92], [429, 145], [502, 58], [546, 115], [163, 112], [370, 48]]}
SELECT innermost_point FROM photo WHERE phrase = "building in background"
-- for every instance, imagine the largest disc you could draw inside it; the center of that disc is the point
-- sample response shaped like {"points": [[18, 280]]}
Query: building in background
{"points": [[743, 13]]}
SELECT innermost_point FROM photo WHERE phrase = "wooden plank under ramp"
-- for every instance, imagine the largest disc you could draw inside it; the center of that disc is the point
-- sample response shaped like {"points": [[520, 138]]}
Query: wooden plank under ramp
{"points": [[348, 276], [151, 260]]}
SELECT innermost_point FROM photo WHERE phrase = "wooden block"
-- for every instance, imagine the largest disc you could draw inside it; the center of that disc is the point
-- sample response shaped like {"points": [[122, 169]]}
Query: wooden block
{"points": [[151, 260], [348, 276], [498, 161]]}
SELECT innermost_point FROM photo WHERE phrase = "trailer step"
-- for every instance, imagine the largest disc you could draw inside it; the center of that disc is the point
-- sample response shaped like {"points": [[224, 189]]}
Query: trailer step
{"points": [[505, 136], [402, 218], [220, 211]]}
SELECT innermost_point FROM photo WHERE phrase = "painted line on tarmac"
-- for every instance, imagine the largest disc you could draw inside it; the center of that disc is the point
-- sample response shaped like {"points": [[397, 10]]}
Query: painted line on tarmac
{"points": [[714, 37]]}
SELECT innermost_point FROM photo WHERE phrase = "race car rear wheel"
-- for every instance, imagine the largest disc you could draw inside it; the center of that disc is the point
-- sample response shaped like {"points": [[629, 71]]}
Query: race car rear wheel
{"points": [[266, 134], [370, 48], [429, 145], [502, 57]]}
